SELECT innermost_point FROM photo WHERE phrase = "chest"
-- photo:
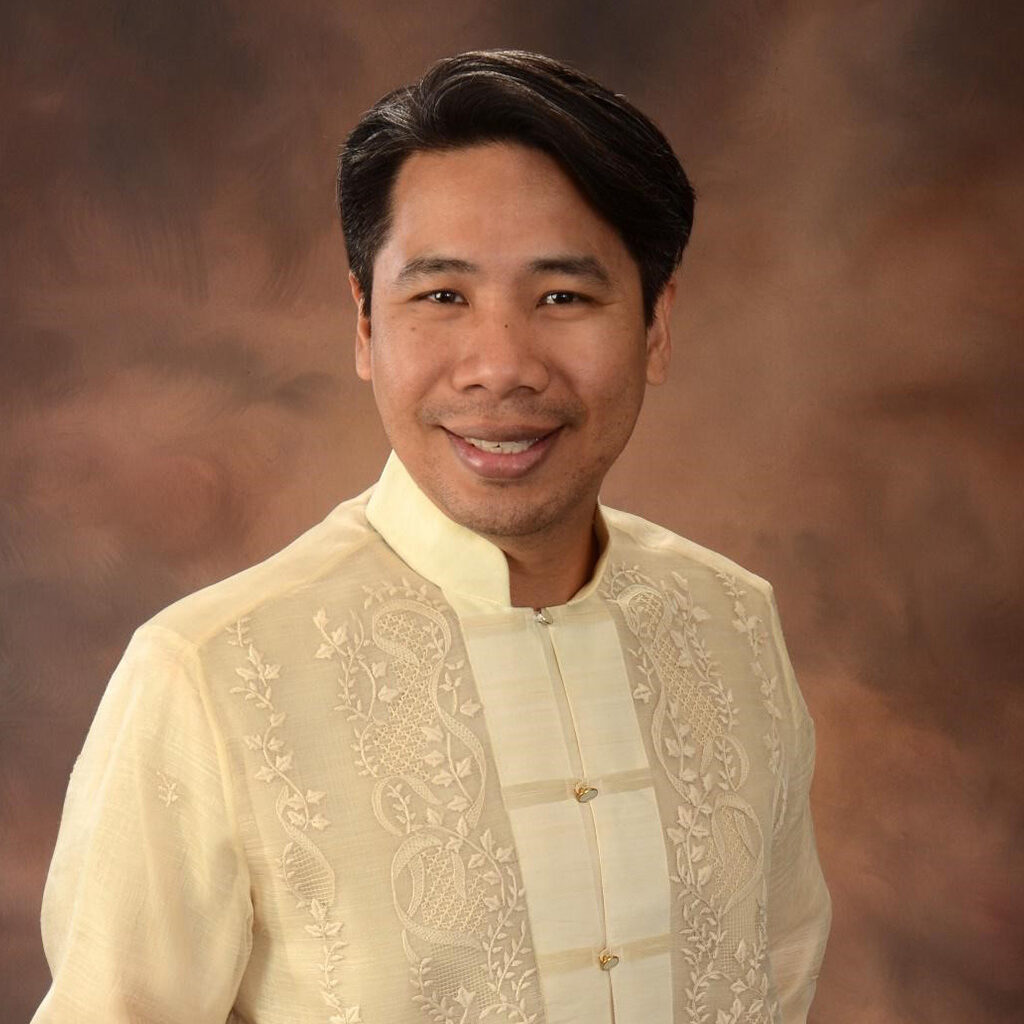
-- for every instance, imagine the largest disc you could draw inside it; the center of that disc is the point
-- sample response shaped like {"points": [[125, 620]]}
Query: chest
{"points": [[516, 817]]}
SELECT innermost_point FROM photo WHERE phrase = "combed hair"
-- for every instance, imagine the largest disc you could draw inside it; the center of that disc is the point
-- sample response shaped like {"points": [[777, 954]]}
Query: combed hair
{"points": [[616, 156]]}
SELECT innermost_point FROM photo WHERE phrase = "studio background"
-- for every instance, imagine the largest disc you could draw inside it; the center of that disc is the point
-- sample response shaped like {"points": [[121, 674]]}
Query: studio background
{"points": [[844, 415]]}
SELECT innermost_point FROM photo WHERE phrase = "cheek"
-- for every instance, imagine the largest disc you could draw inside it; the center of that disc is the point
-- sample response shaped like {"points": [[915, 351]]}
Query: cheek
{"points": [[616, 377], [612, 405], [398, 358], [406, 380]]}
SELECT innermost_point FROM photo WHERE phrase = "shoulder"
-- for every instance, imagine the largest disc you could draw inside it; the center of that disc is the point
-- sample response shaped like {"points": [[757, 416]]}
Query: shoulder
{"points": [[658, 548], [320, 552], [734, 607]]}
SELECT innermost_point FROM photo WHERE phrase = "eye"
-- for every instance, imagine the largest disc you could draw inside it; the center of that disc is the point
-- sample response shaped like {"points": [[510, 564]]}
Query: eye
{"points": [[442, 296], [562, 298]]}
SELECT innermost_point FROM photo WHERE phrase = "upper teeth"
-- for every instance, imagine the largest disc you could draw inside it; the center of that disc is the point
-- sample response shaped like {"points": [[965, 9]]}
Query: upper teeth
{"points": [[504, 447]]}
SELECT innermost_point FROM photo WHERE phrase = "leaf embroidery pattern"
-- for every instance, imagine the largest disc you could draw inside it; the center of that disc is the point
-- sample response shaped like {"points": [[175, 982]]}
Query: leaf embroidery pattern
{"points": [[167, 789], [751, 627], [716, 841], [307, 874], [456, 886]]}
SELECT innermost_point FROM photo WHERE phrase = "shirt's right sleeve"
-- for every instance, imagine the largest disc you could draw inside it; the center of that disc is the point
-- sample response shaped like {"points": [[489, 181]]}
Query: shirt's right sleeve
{"points": [[799, 906], [146, 914]]}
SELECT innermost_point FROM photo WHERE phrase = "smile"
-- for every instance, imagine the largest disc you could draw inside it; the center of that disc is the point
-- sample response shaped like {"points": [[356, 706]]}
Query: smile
{"points": [[502, 447], [503, 458]]}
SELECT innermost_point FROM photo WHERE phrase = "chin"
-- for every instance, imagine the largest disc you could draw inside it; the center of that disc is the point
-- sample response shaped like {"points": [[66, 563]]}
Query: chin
{"points": [[503, 518]]}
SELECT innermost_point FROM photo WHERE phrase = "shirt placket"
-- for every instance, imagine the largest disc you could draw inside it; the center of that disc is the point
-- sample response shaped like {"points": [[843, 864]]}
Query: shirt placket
{"points": [[576, 785], [615, 797], [584, 794]]}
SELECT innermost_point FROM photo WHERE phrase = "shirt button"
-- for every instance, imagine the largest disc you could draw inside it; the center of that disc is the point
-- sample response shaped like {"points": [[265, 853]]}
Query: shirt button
{"points": [[607, 959], [541, 616], [583, 792]]}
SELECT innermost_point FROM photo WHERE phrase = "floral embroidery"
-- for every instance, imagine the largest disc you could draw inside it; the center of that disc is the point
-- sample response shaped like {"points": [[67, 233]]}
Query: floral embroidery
{"points": [[167, 789], [753, 629], [717, 843], [307, 874], [456, 888]]}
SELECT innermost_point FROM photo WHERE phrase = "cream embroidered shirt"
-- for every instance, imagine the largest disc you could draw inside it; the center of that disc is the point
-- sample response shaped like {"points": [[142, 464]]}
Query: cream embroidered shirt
{"points": [[353, 784]]}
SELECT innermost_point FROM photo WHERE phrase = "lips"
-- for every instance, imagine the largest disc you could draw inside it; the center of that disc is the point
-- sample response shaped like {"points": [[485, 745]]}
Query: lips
{"points": [[508, 454]]}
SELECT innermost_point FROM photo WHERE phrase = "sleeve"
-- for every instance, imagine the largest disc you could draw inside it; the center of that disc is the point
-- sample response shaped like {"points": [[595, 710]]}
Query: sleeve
{"points": [[146, 913], [799, 907]]}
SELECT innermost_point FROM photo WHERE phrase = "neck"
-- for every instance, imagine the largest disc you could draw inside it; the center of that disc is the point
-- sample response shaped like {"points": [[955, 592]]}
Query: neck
{"points": [[549, 571]]}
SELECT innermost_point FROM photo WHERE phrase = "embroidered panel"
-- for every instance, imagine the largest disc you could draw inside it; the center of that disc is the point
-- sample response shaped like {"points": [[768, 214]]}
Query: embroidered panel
{"points": [[411, 707], [305, 871], [752, 628], [714, 835]]}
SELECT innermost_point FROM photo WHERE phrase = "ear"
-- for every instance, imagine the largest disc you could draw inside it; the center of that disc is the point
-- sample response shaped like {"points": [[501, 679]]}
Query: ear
{"points": [[364, 363], [659, 335]]}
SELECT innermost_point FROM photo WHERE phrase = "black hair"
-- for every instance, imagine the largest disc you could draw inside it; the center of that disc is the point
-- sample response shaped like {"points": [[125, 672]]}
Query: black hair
{"points": [[618, 158]]}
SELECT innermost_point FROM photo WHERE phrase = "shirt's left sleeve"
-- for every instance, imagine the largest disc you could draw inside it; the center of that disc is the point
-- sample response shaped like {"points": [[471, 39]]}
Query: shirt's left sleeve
{"points": [[799, 908]]}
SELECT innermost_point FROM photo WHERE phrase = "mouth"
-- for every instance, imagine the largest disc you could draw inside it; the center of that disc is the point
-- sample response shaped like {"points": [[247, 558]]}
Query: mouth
{"points": [[501, 447], [507, 454]]}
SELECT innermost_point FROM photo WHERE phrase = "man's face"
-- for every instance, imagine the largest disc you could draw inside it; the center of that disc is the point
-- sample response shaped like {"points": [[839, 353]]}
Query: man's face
{"points": [[506, 341]]}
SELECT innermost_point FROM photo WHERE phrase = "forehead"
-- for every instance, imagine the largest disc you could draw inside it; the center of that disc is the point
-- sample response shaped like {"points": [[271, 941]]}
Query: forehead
{"points": [[501, 202]]}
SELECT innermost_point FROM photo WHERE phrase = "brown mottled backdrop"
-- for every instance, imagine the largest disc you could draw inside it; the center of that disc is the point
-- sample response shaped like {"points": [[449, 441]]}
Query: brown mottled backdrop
{"points": [[845, 415]]}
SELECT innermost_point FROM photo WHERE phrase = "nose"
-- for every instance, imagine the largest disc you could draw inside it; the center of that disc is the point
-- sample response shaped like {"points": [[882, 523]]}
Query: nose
{"points": [[499, 355]]}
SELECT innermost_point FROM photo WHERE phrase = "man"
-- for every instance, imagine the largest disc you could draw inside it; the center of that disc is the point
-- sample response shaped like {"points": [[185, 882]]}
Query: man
{"points": [[473, 748]]}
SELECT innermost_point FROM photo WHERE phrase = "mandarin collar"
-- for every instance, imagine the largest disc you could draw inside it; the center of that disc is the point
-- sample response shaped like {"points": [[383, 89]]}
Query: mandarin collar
{"points": [[437, 548]]}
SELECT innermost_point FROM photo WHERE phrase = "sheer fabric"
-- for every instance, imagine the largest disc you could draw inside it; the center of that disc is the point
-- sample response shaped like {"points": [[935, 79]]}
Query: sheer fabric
{"points": [[353, 784]]}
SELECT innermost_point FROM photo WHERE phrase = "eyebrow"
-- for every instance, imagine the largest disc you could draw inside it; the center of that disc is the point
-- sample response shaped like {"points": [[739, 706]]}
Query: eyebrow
{"points": [[589, 267], [574, 266], [423, 266]]}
